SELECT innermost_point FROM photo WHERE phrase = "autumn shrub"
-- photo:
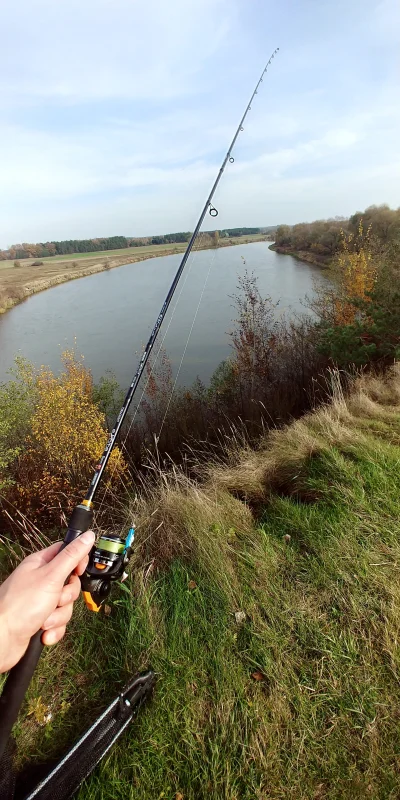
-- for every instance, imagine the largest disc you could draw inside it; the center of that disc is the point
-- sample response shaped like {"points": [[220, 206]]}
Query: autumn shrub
{"points": [[17, 399], [17, 263], [356, 270], [7, 455], [354, 273], [269, 378], [359, 310], [374, 334], [61, 440], [274, 358]]}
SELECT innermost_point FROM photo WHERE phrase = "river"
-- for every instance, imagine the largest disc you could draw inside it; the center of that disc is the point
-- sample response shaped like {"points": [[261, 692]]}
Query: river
{"points": [[111, 314]]}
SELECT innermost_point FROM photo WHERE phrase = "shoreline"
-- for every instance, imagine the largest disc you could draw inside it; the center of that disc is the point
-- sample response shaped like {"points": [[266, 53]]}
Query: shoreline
{"points": [[17, 294], [301, 255]]}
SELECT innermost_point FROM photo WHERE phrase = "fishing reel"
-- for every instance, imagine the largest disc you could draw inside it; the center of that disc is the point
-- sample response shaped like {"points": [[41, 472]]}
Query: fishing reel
{"points": [[107, 562]]}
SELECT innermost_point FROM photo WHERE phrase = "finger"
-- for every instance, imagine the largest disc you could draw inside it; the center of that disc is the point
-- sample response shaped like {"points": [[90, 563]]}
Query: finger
{"points": [[68, 559], [61, 616], [70, 592], [54, 635], [82, 566], [43, 556]]}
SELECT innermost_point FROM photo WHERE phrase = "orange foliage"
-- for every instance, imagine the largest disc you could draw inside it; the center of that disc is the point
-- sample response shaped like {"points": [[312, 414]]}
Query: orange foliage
{"points": [[356, 273], [68, 435]]}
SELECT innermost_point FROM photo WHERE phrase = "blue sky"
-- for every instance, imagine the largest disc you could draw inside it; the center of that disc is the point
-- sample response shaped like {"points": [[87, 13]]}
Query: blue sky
{"points": [[115, 114]]}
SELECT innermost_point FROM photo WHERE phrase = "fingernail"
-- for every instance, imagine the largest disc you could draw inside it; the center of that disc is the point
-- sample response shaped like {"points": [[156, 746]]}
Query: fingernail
{"points": [[87, 537]]}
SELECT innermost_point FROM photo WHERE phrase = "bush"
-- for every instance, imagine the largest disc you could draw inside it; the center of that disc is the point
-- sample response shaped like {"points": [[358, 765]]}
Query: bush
{"points": [[51, 438], [17, 263], [374, 336], [17, 399], [365, 325], [108, 396], [36, 263], [269, 378]]}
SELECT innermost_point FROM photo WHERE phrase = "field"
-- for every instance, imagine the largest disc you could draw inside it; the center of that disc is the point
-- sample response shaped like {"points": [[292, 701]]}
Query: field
{"points": [[17, 283], [130, 251], [298, 695]]}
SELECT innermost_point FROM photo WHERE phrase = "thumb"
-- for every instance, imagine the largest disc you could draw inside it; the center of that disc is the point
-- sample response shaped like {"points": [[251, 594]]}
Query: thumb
{"points": [[69, 557]]}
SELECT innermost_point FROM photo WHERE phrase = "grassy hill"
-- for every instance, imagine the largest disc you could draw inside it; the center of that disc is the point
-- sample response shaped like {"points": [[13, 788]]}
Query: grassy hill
{"points": [[298, 696]]}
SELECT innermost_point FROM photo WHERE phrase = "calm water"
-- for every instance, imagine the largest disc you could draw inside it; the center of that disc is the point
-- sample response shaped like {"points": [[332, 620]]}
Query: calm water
{"points": [[111, 314]]}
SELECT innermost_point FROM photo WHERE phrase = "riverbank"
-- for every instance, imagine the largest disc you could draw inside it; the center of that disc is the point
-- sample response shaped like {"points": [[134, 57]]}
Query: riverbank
{"points": [[303, 255], [19, 282], [266, 601]]}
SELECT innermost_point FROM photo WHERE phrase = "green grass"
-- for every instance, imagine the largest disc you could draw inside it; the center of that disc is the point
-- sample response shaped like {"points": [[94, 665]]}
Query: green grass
{"points": [[321, 631]]}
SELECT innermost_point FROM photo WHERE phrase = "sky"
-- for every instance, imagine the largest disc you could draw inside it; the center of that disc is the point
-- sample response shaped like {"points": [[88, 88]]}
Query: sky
{"points": [[116, 114]]}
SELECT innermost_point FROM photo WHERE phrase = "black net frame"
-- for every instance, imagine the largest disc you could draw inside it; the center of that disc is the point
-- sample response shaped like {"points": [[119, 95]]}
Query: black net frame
{"points": [[63, 780]]}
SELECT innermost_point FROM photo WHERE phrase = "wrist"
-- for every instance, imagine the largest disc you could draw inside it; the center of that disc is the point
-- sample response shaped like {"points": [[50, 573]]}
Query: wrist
{"points": [[12, 647], [5, 644]]}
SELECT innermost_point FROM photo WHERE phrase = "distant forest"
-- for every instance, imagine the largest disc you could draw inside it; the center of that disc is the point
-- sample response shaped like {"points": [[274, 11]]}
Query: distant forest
{"points": [[324, 237], [70, 246]]}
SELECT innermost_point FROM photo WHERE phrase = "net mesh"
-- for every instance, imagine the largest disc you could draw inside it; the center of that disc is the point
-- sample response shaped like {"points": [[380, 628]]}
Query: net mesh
{"points": [[7, 774], [68, 774]]}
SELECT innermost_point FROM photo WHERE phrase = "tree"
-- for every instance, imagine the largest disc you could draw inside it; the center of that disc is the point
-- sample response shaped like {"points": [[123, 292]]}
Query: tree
{"points": [[283, 235]]}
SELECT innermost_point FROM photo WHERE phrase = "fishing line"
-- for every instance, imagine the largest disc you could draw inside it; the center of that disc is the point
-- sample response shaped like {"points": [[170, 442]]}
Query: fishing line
{"points": [[151, 370], [187, 343]]}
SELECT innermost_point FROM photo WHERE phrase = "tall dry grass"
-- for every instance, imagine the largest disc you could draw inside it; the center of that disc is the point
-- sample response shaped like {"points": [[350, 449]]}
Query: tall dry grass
{"points": [[281, 455]]}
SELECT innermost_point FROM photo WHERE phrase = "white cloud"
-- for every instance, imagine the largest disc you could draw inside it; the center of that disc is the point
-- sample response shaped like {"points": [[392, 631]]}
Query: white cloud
{"points": [[386, 21], [77, 50], [116, 115]]}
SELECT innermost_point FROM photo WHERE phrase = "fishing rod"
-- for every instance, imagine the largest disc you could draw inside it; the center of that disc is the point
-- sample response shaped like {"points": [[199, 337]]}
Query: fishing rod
{"points": [[109, 557]]}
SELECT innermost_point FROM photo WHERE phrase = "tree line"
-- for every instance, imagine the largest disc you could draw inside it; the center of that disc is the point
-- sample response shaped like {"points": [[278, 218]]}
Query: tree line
{"points": [[239, 231], [68, 247], [324, 237]]}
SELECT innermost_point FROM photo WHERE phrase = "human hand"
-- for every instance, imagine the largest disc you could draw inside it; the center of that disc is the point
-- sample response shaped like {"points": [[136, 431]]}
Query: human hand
{"points": [[34, 597]]}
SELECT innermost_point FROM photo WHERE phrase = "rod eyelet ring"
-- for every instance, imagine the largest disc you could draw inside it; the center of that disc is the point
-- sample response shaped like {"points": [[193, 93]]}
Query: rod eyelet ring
{"points": [[231, 159], [213, 212], [242, 129]]}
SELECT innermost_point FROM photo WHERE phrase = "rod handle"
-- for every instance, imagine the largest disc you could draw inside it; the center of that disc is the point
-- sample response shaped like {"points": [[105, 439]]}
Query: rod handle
{"points": [[21, 674], [16, 686]]}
